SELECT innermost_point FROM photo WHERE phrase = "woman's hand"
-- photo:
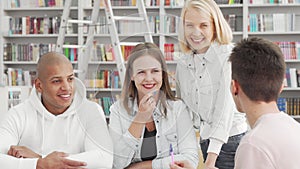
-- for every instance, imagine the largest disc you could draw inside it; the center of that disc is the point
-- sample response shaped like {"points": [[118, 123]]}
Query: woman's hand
{"points": [[146, 107], [210, 161], [181, 165]]}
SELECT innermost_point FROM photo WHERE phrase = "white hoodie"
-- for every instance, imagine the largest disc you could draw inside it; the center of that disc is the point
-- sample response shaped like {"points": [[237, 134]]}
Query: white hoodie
{"points": [[81, 131]]}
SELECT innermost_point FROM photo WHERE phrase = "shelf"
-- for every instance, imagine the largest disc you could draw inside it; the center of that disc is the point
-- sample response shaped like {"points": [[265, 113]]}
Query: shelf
{"points": [[20, 62], [41, 9], [103, 90], [176, 34], [26, 62], [37, 35], [274, 33], [168, 34], [113, 62], [295, 117], [231, 6], [123, 8], [292, 61], [273, 5], [102, 62], [270, 8], [173, 7], [237, 33], [291, 89], [121, 35], [220, 5], [171, 62]]}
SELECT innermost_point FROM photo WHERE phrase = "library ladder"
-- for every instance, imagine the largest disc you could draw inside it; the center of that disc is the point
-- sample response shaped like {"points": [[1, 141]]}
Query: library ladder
{"points": [[116, 44], [84, 50]]}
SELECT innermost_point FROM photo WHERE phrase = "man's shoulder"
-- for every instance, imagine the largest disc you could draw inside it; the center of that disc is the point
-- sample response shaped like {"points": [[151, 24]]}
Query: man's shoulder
{"points": [[89, 106], [87, 102], [22, 107]]}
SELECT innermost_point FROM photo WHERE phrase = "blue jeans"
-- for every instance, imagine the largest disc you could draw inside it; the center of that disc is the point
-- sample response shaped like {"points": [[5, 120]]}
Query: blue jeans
{"points": [[225, 159]]}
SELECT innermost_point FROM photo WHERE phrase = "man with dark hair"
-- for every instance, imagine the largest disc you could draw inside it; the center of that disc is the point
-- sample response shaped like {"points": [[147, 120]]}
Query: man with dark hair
{"points": [[258, 70], [56, 127]]}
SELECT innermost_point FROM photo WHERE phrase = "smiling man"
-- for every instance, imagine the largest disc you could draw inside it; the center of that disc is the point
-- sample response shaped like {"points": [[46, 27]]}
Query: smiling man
{"points": [[56, 127]]}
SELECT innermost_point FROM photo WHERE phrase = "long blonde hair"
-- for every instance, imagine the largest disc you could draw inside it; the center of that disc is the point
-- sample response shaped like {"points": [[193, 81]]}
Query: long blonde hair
{"points": [[223, 33]]}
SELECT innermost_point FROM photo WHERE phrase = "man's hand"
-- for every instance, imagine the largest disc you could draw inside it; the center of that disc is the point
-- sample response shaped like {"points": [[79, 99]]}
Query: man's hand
{"points": [[181, 165], [58, 160], [22, 152]]}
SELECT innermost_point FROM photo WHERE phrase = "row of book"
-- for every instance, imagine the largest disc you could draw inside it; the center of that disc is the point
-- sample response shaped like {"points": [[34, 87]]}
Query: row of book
{"points": [[71, 53], [25, 52], [290, 50], [171, 51], [229, 1], [100, 52], [129, 27], [173, 3], [289, 105], [105, 102], [172, 80], [35, 3], [104, 52], [37, 25], [50, 25], [134, 3], [89, 3], [103, 79], [274, 1], [278, 22], [108, 79], [231, 19], [170, 22], [14, 97], [20, 77], [33, 51], [101, 27], [292, 78]]}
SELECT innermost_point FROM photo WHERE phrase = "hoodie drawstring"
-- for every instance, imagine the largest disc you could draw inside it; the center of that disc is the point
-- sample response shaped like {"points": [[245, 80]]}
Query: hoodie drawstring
{"points": [[43, 132], [68, 129]]}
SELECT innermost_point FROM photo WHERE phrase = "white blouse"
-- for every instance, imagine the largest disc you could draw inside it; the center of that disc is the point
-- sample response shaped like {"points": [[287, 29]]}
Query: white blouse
{"points": [[176, 129], [203, 82]]}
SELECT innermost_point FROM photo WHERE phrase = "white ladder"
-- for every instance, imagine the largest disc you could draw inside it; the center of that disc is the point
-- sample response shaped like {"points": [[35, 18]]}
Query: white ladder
{"points": [[115, 41], [84, 50]]}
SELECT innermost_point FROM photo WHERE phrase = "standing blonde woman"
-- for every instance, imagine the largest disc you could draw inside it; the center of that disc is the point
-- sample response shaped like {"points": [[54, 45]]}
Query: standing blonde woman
{"points": [[203, 81]]}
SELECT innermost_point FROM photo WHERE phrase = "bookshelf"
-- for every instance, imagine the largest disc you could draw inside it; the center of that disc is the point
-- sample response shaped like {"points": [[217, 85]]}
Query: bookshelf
{"points": [[12, 95], [163, 20], [29, 32], [283, 28]]}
